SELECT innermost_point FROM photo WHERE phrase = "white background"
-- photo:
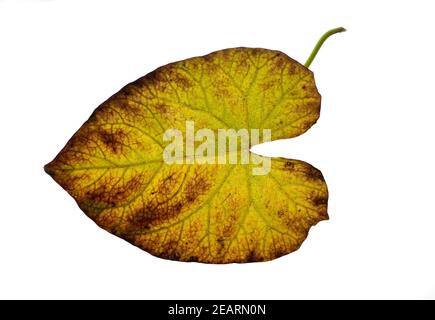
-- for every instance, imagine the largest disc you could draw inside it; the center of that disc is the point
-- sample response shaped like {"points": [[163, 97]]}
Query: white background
{"points": [[374, 144]]}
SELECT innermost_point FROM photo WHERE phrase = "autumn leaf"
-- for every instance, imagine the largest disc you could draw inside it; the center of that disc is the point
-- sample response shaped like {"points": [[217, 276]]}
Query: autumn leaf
{"points": [[213, 212]]}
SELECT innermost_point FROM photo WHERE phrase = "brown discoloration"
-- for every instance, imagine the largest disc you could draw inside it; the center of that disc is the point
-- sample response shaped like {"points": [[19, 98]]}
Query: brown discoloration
{"points": [[129, 109], [169, 180], [155, 81], [156, 212], [319, 201], [152, 214], [159, 79], [210, 58], [279, 62], [168, 184], [193, 259], [113, 139], [126, 105], [107, 195], [100, 197], [165, 111], [242, 64], [291, 67], [162, 108], [323, 214], [170, 251], [196, 187], [253, 256], [296, 225], [220, 242], [313, 105], [106, 220], [257, 52], [267, 85], [143, 218], [68, 155], [154, 76], [305, 125], [279, 252], [70, 183], [312, 173], [227, 230], [129, 91], [288, 165], [180, 79], [220, 92]]}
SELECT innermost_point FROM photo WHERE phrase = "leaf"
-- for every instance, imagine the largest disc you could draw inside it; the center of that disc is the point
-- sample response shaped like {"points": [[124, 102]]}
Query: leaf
{"points": [[213, 213]]}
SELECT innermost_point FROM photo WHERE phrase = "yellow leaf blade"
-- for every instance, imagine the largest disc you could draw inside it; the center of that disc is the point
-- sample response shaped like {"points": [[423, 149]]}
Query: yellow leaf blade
{"points": [[213, 213]]}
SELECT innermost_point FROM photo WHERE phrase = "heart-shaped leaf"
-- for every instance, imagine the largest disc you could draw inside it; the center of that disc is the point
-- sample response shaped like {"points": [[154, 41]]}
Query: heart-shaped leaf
{"points": [[210, 212]]}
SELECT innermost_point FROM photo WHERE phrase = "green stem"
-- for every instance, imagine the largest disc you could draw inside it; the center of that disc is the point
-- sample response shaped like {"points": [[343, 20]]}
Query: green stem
{"points": [[320, 43]]}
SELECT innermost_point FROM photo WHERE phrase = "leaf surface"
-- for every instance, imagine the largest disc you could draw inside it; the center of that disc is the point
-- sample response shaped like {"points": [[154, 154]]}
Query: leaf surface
{"points": [[212, 213]]}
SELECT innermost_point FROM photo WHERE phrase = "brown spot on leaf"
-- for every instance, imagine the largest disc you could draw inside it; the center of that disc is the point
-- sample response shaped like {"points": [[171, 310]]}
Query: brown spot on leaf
{"points": [[253, 256], [109, 195], [170, 251], [152, 214], [162, 108], [220, 241], [193, 259], [196, 187], [153, 76], [113, 139], [181, 80], [319, 201], [312, 173], [279, 62], [267, 85], [156, 80], [132, 108], [279, 252], [289, 166]]}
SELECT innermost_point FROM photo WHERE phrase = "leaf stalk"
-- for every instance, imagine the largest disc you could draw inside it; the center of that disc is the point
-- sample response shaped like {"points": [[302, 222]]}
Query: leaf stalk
{"points": [[319, 44]]}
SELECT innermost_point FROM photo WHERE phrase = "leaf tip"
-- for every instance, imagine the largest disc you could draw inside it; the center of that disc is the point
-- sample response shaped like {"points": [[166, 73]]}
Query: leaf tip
{"points": [[47, 169]]}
